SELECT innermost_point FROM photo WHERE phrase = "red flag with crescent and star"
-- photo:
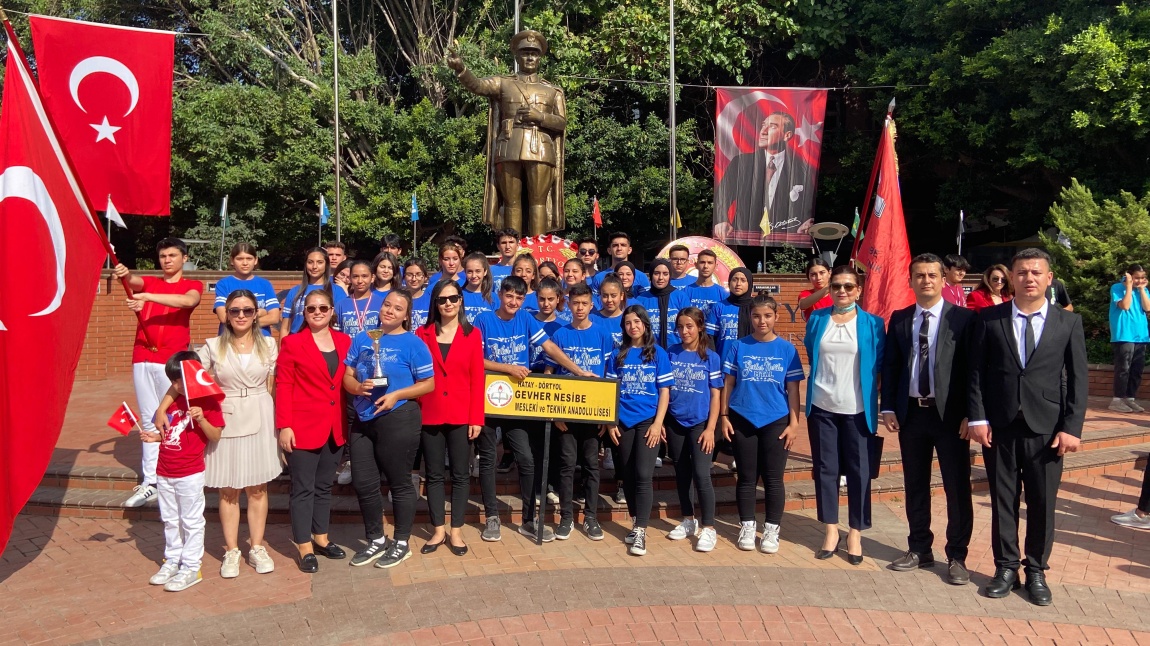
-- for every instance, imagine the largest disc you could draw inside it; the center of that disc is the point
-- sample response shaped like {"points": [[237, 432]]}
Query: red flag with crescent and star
{"points": [[108, 90], [123, 420], [198, 384], [50, 258]]}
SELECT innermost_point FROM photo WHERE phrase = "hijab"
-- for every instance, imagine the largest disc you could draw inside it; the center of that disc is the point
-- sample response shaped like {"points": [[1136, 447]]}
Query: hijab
{"points": [[743, 302], [629, 292], [664, 296]]}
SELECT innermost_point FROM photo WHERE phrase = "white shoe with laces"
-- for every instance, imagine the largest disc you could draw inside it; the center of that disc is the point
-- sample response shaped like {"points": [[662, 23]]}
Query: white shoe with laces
{"points": [[686, 528], [746, 541], [707, 540], [1119, 405], [1134, 405], [770, 541], [230, 568], [168, 570], [141, 494], [183, 580], [259, 558], [343, 476], [1132, 519], [639, 546], [630, 538]]}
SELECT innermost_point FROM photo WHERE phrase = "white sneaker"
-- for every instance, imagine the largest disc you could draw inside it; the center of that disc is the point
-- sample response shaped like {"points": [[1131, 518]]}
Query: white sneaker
{"points": [[259, 558], [1119, 405], [746, 540], [475, 469], [183, 580], [658, 463], [770, 542], [1134, 405], [552, 497], [167, 571], [230, 568], [685, 529], [639, 545], [609, 461], [707, 540], [141, 494], [1132, 519], [343, 476], [630, 537]]}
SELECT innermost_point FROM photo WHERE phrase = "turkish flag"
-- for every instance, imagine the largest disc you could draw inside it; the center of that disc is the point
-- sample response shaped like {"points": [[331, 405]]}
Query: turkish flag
{"points": [[596, 215], [198, 384], [50, 258], [884, 251], [123, 420], [108, 90]]}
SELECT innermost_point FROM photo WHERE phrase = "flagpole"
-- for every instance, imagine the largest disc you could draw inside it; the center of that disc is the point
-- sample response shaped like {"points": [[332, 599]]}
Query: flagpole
{"points": [[335, 95], [961, 230], [223, 230], [108, 259], [867, 211], [671, 112]]}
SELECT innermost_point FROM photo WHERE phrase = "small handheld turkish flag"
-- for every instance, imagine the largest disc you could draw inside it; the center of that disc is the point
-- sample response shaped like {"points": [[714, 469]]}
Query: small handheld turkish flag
{"points": [[123, 419], [198, 384]]}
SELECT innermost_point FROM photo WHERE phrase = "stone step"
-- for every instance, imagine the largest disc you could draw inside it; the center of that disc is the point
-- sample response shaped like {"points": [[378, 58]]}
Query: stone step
{"points": [[74, 501]]}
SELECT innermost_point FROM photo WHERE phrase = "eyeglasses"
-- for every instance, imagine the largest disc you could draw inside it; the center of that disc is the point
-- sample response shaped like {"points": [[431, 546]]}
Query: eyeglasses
{"points": [[246, 312], [443, 300], [588, 252], [843, 287], [322, 309], [997, 279]]}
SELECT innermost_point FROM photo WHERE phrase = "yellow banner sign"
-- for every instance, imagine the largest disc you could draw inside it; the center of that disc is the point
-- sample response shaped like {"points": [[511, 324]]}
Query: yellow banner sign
{"points": [[552, 398]]}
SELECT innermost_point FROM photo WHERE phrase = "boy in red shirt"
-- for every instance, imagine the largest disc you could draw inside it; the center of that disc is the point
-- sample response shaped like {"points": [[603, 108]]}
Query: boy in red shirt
{"points": [[182, 434], [166, 306]]}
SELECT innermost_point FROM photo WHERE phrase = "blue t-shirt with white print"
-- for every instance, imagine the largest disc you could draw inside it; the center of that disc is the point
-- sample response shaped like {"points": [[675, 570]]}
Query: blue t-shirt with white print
{"points": [[694, 379], [290, 306], [538, 356], [762, 370], [474, 304], [613, 324], [404, 358], [704, 297], [676, 302], [723, 324], [589, 348], [260, 287], [419, 308], [639, 383], [350, 311], [510, 342]]}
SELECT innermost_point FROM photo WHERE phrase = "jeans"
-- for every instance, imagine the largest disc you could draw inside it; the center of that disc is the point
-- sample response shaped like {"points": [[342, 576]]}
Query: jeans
{"points": [[692, 465], [386, 445], [1129, 361], [761, 456]]}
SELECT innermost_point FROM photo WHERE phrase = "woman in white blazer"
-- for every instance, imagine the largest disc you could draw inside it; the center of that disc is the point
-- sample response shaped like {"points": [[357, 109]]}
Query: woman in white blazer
{"points": [[242, 361]]}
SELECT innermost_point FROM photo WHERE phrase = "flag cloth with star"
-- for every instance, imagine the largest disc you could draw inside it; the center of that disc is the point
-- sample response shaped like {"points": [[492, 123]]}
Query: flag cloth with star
{"points": [[123, 420], [108, 90]]}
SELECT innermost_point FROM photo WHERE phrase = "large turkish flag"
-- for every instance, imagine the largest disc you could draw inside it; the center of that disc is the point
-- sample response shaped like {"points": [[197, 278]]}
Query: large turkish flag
{"points": [[50, 257], [108, 90]]}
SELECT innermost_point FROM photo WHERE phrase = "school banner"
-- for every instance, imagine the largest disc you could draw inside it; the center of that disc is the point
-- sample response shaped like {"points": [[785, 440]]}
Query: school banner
{"points": [[768, 142], [552, 398]]}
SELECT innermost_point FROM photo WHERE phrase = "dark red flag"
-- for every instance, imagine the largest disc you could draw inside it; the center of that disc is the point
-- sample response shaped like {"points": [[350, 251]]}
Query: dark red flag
{"points": [[596, 215], [108, 90], [123, 420], [47, 232], [198, 384], [884, 251]]}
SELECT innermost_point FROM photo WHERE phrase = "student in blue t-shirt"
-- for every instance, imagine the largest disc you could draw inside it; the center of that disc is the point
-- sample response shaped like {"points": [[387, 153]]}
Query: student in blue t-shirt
{"points": [[388, 433], [590, 346], [386, 271], [527, 268], [705, 291], [315, 276], [612, 302], [509, 334], [507, 241], [663, 303], [477, 295], [244, 262], [360, 310], [645, 378], [341, 279], [692, 416], [1129, 304], [415, 282], [760, 413], [730, 318], [680, 257], [619, 248], [549, 298], [450, 263]]}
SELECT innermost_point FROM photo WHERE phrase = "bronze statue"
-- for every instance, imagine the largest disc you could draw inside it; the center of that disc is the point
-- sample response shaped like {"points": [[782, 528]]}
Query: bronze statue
{"points": [[525, 126]]}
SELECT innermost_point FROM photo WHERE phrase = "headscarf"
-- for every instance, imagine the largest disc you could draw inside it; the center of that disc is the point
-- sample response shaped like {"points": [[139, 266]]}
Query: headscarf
{"points": [[629, 292], [743, 302], [664, 296]]}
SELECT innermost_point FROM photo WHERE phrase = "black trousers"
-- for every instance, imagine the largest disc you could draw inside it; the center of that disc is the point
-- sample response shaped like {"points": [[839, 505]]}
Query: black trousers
{"points": [[312, 474], [761, 456], [446, 441], [527, 445], [692, 466], [637, 465], [486, 448], [840, 444], [1129, 362], [1144, 498], [386, 446], [923, 433], [578, 449], [1018, 457]]}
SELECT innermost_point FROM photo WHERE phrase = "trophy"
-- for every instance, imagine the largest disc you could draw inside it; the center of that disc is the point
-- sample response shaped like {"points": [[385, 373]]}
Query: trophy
{"points": [[377, 379]]}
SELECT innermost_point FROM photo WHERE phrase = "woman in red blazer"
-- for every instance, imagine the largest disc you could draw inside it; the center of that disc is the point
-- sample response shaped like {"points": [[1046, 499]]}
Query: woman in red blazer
{"points": [[310, 419], [993, 289], [453, 412]]}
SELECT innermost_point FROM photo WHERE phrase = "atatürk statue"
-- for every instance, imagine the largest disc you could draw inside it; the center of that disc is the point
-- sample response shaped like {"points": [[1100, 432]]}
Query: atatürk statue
{"points": [[524, 140]]}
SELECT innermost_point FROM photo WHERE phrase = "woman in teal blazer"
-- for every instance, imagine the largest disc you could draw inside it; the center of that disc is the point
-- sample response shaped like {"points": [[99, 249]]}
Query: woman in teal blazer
{"points": [[844, 346]]}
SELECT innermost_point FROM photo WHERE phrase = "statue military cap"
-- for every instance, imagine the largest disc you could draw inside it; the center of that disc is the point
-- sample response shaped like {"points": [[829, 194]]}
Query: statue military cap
{"points": [[529, 38]]}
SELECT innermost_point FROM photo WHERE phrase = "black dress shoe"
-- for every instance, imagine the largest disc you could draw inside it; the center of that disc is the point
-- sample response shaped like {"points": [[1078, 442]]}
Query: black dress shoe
{"points": [[1005, 580], [331, 551], [458, 551], [823, 555], [855, 559], [956, 572], [1039, 591], [308, 563], [428, 548], [912, 561]]}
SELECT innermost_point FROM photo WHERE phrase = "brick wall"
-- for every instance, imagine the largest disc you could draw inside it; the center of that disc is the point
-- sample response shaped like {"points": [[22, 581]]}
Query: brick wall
{"points": [[1102, 382]]}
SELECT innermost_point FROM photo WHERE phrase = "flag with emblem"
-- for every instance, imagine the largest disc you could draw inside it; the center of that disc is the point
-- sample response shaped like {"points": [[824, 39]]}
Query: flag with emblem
{"points": [[123, 420], [198, 383]]}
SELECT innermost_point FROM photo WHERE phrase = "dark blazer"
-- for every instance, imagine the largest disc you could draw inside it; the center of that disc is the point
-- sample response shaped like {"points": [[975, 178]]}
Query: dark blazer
{"points": [[459, 380], [951, 374], [744, 182], [308, 399], [999, 385]]}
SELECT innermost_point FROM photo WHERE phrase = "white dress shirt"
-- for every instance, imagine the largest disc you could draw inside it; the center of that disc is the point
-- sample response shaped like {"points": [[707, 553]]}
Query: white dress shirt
{"points": [[932, 342], [1017, 321]]}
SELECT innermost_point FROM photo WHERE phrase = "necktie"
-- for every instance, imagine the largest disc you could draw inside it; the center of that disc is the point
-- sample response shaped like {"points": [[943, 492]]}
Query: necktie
{"points": [[1028, 336], [924, 356], [771, 168]]}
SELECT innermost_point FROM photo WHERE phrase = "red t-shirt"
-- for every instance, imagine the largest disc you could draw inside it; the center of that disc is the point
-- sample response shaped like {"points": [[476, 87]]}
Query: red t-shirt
{"points": [[182, 446], [168, 327], [825, 301]]}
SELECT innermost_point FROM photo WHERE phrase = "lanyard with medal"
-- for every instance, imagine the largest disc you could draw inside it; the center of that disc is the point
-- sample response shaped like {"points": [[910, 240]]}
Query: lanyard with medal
{"points": [[361, 317]]}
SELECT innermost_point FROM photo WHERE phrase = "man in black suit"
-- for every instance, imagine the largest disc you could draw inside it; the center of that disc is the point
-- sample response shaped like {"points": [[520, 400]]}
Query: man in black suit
{"points": [[1026, 415], [771, 180], [924, 400]]}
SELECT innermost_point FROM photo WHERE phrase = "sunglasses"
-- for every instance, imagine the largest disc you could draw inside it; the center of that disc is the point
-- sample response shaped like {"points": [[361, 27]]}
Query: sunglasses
{"points": [[246, 312], [322, 309], [588, 252], [997, 279], [443, 300], [843, 287]]}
